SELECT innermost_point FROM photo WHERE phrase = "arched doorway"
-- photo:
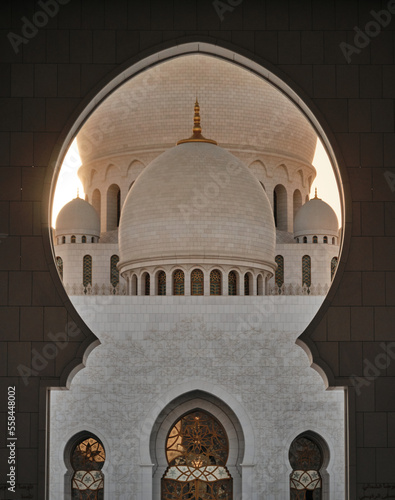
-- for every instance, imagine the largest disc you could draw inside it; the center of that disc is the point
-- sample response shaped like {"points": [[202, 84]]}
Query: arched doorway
{"points": [[197, 451], [306, 458]]}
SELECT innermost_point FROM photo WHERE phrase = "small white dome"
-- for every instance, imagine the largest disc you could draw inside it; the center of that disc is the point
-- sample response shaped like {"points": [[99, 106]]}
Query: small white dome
{"points": [[197, 203], [77, 217], [316, 218]]}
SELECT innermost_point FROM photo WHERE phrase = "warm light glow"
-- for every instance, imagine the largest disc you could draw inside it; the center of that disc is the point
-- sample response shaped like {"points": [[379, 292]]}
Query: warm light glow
{"points": [[68, 181], [325, 182]]}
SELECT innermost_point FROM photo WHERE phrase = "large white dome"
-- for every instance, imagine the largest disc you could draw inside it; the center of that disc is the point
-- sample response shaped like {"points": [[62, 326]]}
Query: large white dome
{"points": [[316, 218], [197, 203], [257, 116], [77, 217]]}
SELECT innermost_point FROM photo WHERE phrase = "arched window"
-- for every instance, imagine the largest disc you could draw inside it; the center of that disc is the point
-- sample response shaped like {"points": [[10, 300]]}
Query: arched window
{"points": [[63, 239], [87, 270], [134, 289], [297, 201], [147, 284], [305, 457], [73, 239], [333, 241], [113, 207], [306, 270], [232, 283], [247, 284], [87, 460], [96, 201], [315, 239], [161, 283], [118, 207], [333, 266], [280, 207], [215, 282], [92, 239], [197, 451], [59, 265], [83, 239], [114, 273], [325, 239], [279, 276], [197, 282], [259, 285], [178, 282], [275, 207], [304, 239]]}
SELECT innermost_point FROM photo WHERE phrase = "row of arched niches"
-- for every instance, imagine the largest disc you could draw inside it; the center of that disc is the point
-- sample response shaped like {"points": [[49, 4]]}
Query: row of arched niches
{"points": [[196, 449], [286, 200]]}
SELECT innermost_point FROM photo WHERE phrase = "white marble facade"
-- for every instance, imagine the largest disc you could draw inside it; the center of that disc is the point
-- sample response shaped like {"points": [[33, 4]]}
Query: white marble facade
{"points": [[162, 356], [234, 356]]}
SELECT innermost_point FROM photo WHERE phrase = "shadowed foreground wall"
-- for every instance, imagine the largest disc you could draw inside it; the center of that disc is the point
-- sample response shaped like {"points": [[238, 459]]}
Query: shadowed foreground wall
{"points": [[56, 72]]}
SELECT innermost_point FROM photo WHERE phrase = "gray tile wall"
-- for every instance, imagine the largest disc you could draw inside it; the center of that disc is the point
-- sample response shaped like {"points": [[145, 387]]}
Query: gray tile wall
{"points": [[77, 51]]}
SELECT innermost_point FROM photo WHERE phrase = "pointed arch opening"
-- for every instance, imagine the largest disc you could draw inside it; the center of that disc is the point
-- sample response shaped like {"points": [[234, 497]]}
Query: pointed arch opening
{"points": [[197, 282], [306, 271], [232, 283], [297, 201], [178, 282], [161, 284], [309, 458], [96, 201], [87, 459], [113, 207], [280, 207], [197, 449], [215, 282]]}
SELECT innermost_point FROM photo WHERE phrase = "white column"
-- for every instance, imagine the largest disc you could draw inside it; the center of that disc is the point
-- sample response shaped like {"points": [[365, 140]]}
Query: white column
{"points": [[247, 482], [225, 283], [206, 276], [140, 284], [145, 491], [253, 288], [240, 284], [169, 283], [187, 282]]}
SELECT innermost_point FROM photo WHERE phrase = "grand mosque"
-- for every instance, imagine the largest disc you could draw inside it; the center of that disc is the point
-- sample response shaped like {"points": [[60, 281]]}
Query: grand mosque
{"points": [[197, 257]]}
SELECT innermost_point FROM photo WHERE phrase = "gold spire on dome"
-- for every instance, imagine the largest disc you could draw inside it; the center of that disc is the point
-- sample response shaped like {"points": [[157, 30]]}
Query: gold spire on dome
{"points": [[197, 129], [316, 197]]}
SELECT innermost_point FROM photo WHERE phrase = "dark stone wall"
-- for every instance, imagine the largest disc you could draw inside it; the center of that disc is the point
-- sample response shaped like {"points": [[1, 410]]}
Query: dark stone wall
{"points": [[50, 72]]}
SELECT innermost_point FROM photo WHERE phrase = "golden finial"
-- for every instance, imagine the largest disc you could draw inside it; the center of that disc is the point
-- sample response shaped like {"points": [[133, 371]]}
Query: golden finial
{"points": [[197, 129], [315, 197]]}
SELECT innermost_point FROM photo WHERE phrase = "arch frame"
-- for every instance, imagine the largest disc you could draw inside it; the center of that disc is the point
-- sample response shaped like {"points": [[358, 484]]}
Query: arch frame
{"points": [[136, 65], [65, 447], [187, 396], [329, 459], [249, 61]]}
